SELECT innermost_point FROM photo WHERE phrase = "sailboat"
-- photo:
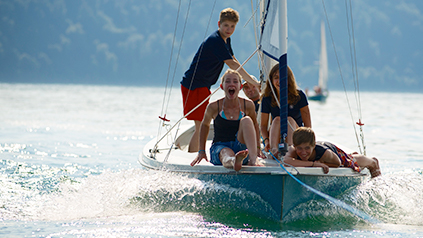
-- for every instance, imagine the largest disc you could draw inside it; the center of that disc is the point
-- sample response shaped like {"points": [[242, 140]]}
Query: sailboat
{"points": [[320, 91], [282, 188]]}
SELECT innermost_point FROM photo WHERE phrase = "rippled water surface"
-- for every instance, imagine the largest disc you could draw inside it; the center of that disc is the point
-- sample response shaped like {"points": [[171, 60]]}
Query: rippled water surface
{"points": [[69, 168]]}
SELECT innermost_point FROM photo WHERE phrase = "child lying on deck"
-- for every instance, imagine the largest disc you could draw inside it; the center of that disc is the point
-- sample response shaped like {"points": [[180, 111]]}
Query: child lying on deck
{"points": [[306, 152]]}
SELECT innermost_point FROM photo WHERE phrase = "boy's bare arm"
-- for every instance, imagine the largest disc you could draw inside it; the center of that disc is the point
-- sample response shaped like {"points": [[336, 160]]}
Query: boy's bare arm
{"points": [[330, 159], [305, 115], [234, 64]]}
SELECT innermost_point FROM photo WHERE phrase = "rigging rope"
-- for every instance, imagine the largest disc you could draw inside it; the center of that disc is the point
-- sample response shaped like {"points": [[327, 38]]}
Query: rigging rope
{"points": [[354, 68], [174, 73], [343, 83], [200, 51], [253, 14], [168, 70], [179, 52]]}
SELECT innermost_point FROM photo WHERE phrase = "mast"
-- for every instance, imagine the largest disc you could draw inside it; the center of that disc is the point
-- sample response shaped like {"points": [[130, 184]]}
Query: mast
{"points": [[283, 75], [273, 45]]}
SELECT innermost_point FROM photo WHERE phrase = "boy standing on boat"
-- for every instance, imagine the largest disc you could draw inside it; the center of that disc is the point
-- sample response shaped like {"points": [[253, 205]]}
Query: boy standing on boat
{"points": [[206, 67], [236, 132], [306, 152]]}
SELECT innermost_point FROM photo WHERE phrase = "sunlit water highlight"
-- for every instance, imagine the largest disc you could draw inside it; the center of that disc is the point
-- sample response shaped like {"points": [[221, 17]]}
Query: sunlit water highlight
{"points": [[69, 168]]}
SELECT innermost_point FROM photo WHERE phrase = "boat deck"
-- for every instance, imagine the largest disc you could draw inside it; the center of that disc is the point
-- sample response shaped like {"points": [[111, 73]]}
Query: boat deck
{"points": [[271, 182], [179, 160]]}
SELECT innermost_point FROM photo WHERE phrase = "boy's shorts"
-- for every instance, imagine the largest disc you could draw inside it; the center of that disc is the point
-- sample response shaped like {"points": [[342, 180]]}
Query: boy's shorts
{"points": [[216, 147], [195, 97]]}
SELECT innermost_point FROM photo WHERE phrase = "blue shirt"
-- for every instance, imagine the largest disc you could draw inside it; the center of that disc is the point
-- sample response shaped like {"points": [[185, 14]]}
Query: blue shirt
{"points": [[208, 62], [293, 110]]}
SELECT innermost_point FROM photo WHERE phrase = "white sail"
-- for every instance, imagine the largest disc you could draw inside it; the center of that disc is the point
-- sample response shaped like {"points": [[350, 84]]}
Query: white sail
{"points": [[323, 61], [275, 30], [274, 44]]}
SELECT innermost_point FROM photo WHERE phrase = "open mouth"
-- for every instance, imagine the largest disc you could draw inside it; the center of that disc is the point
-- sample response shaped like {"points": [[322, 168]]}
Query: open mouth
{"points": [[231, 91]]}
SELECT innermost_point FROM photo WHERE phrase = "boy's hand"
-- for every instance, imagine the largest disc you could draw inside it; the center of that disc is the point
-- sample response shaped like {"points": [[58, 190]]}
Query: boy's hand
{"points": [[324, 166]]}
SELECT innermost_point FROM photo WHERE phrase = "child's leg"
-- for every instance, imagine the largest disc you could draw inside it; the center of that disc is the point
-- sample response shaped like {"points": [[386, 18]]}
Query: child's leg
{"points": [[231, 160], [275, 135], [247, 135], [366, 162]]}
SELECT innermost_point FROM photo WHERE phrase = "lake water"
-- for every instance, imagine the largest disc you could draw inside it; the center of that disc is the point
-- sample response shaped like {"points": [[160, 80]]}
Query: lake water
{"points": [[69, 168]]}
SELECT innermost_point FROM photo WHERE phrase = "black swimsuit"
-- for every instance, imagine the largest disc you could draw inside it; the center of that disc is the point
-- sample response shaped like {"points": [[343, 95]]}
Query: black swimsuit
{"points": [[226, 130]]}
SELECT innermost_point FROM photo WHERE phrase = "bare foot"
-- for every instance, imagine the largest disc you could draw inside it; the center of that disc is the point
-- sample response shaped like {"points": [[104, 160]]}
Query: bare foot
{"points": [[375, 170], [239, 157], [257, 163]]}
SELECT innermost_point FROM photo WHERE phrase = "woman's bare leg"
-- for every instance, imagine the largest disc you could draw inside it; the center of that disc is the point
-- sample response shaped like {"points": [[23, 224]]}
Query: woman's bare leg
{"points": [[227, 157], [231, 160], [239, 158], [292, 126], [247, 136], [275, 136]]}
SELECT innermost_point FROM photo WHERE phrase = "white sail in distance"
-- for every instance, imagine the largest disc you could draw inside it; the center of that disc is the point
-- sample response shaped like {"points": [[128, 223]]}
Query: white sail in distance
{"points": [[323, 60]]}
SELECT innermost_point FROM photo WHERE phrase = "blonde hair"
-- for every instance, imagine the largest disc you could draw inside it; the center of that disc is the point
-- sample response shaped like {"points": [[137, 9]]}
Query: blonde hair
{"points": [[293, 95], [231, 71], [229, 14], [303, 135]]}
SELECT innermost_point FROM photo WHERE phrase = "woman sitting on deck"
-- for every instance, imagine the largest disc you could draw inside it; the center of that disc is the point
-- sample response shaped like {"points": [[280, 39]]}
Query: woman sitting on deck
{"points": [[236, 134], [298, 111], [309, 153]]}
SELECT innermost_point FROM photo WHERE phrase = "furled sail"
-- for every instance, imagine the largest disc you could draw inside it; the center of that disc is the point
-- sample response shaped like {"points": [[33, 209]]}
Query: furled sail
{"points": [[273, 43]]}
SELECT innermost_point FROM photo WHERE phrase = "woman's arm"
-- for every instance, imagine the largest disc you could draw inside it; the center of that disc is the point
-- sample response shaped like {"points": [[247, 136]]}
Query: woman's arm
{"points": [[264, 124], [204, 132], [305, 115]]}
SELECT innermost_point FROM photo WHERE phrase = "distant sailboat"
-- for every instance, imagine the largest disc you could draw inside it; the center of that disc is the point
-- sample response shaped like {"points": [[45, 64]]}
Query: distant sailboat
{"points": [[320, 91]]}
